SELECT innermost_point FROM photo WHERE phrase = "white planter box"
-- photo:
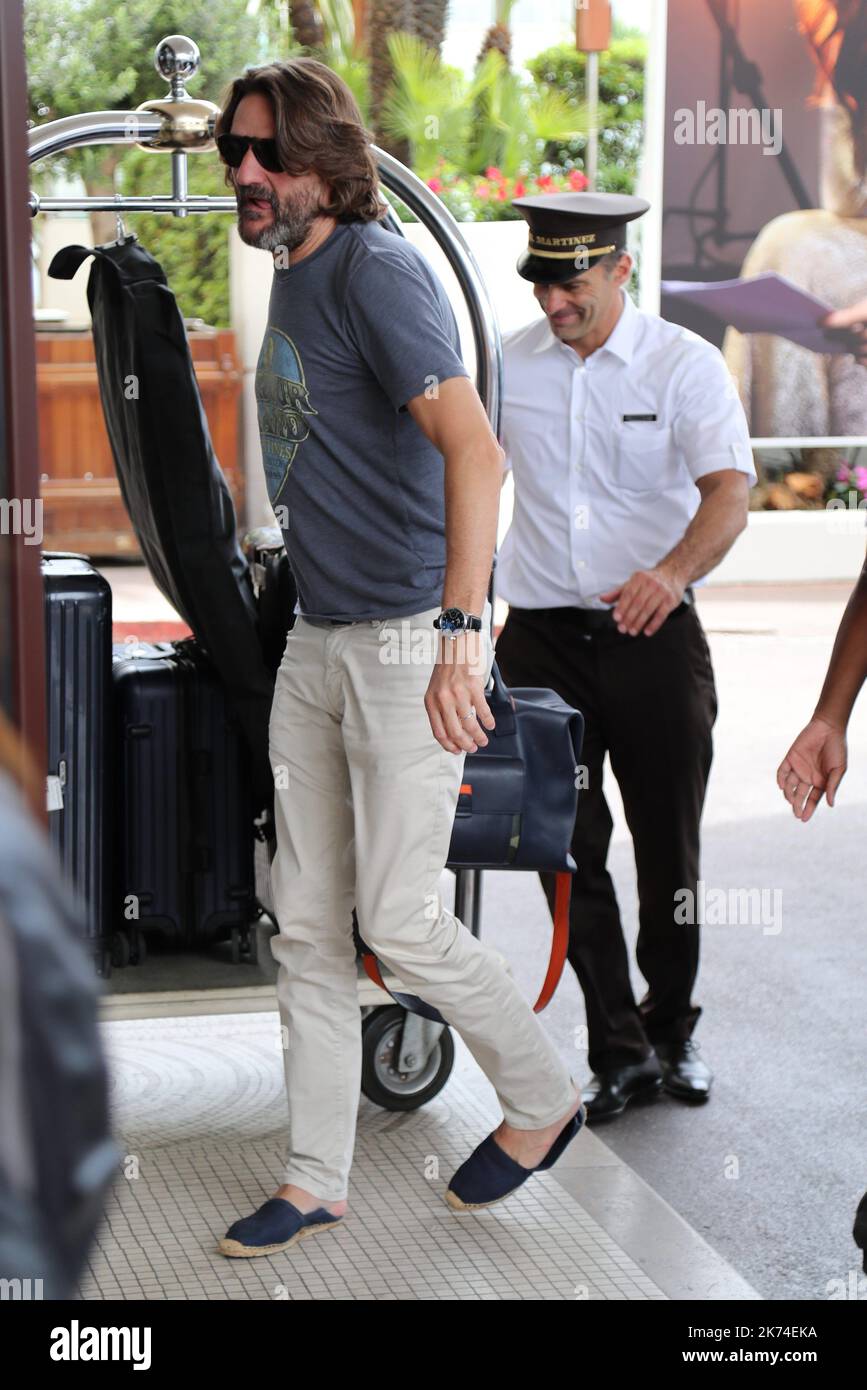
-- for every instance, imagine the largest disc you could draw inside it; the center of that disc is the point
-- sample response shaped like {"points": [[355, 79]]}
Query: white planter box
{"points": [[793, 547]]}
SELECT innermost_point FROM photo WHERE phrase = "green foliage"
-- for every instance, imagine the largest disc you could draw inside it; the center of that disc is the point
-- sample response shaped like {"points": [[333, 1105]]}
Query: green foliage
{"points": [[341, 53], [514, 121], [95, 55], [428, 104], [562, 69], [193, 251], [90, 55]]}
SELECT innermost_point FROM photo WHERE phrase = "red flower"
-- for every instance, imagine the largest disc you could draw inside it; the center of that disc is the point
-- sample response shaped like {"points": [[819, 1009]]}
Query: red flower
{"points": [[435, 185], [520, 189], [578, 181], [545, 182], [492, 172]]}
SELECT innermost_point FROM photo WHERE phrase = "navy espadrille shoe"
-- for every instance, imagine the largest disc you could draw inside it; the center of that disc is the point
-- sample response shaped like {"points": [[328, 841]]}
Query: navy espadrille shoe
{"points": [[490, 1174], [274, 1227]]}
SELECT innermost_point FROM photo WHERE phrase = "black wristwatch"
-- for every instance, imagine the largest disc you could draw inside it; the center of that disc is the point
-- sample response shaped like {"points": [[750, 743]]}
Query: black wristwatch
{"points": [[451, 621]]}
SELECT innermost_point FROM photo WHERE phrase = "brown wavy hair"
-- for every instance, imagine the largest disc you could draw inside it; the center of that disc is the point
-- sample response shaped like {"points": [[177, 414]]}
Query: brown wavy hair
{"points": [[836, 34], [317, 125]]}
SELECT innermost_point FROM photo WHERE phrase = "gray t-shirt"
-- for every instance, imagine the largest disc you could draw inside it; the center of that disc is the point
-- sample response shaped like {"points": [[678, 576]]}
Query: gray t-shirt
{"points": [[355, 330]]}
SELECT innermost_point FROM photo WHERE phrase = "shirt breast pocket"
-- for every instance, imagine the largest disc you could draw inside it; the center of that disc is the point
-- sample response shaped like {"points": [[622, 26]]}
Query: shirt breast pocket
{"points": [[645, 459]]}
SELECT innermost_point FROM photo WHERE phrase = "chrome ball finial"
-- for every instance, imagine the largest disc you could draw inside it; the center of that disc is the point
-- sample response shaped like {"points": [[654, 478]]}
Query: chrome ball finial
{"points": [[188, 123], [177, 58]]}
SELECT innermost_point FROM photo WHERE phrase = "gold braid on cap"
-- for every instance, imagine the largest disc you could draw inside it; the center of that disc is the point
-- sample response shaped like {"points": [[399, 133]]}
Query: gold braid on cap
{"points": [[570, 255]]}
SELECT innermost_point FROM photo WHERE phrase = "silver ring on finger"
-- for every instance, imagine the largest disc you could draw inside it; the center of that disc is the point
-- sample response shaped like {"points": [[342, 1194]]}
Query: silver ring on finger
{"points": [[471, 714]]}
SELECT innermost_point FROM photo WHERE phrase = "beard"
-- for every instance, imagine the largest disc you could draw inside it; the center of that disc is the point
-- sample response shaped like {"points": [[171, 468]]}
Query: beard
{"points": [[288, 225]]}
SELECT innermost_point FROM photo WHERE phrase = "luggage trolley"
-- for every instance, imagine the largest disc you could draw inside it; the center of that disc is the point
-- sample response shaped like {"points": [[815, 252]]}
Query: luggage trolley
{"points": [[407, 1058]]}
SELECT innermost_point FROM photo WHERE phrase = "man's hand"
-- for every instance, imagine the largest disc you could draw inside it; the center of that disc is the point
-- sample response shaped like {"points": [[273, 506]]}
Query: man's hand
{"points": [[850, 326], [645, 600], [456, 687], [813, 767]]}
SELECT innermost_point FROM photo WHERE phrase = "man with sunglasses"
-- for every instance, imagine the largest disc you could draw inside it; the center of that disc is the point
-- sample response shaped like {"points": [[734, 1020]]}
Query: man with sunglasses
{"points": [[384, 475]]}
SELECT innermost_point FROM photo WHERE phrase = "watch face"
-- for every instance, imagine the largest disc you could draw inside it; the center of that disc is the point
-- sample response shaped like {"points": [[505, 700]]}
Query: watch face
{"points": [[452, 619]]}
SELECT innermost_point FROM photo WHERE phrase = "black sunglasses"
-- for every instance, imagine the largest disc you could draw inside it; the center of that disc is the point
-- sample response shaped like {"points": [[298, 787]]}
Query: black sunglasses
{"points": [[233, 148]]}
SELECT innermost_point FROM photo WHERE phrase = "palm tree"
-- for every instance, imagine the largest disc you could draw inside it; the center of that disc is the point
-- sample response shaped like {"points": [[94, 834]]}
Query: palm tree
{"points": [[431, 17], [499, 36], [424, 18], [306, 22], [427, 107]]}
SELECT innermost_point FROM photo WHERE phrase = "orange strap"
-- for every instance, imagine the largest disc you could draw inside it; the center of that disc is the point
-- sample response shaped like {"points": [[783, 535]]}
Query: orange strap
{"points": [[559, 947]]}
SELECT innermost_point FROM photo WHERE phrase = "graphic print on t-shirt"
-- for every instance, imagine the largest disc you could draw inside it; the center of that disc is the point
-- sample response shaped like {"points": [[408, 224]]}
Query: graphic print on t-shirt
{"points": [[282, 403]]}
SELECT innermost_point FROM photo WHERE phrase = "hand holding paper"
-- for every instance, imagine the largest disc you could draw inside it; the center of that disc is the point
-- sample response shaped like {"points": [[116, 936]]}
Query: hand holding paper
{"points": [[767, 303]]}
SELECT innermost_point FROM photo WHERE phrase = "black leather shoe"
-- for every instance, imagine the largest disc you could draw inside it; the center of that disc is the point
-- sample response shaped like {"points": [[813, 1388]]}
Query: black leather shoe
{"points": [[609, 1093], [684, 1074]]}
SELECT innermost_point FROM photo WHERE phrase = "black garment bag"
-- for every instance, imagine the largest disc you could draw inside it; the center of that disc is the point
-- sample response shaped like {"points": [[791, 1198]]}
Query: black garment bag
{"points": [[174, 490]]}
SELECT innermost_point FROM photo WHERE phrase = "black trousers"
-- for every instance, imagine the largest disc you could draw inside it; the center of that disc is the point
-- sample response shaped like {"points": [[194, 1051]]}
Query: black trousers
{"points": [[650, 703]]}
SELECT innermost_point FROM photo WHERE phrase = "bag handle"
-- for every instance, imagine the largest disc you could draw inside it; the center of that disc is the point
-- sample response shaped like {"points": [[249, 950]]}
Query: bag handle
{"points": [[557, 959], [502, 704]]}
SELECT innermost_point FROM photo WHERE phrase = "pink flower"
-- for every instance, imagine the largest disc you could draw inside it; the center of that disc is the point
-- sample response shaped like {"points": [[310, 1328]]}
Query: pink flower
{"points": [[435, 185], [860, 476], [578, 181], [843, 473], [482, 190], [492, 172]]}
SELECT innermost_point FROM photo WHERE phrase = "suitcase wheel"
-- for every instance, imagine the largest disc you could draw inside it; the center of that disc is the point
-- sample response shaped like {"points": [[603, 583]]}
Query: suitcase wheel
{"points": [[120, 949], [138, 948], [245, 945]]}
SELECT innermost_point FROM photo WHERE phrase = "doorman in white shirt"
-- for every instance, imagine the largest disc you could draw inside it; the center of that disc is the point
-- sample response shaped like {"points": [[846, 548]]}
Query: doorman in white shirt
{"points": [[632, 466]]}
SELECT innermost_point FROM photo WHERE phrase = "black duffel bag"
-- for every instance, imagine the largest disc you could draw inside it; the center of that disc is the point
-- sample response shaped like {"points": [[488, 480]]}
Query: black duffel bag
{"points": [[516, 809]]}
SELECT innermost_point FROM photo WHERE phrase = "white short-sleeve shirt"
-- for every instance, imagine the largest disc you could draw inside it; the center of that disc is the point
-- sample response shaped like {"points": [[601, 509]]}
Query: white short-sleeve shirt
{"points": [[605, 452]]}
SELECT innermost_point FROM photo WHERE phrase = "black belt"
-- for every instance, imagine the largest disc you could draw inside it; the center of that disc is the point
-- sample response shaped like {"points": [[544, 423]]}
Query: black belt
{"points": [[601, 619], [332, 622]]}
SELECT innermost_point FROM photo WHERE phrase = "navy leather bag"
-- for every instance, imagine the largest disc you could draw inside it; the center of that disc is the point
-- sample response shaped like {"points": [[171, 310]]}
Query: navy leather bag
{"points": [[516, 809], [519, 795]]}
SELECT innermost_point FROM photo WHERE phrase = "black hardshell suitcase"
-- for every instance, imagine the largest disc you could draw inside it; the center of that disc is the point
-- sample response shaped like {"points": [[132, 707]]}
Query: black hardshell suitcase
{"points": [[222, 809], [153, 864], [185, 790], [79, 713]]}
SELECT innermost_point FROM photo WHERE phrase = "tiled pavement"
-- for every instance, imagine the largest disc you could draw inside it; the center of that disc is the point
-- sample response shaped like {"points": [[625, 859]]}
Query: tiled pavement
{"points": [[199, 1113]]}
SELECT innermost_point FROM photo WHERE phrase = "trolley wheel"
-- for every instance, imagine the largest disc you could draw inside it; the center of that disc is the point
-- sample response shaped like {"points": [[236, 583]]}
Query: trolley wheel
{"points": [[381, 1082], [120, 949]]}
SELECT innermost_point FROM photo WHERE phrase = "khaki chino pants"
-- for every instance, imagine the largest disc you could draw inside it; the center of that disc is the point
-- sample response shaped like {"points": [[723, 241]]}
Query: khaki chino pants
{"points": [[365, 802]]}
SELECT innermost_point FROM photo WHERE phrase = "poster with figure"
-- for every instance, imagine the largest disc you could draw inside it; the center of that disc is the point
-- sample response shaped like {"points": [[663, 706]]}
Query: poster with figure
{"points": [[765, 181]]}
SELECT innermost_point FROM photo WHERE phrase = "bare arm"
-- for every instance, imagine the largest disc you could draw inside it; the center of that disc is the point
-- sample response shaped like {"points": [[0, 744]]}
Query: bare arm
{"points": [[644, 602], [816, 762], [454, 420], [847, 669]]}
